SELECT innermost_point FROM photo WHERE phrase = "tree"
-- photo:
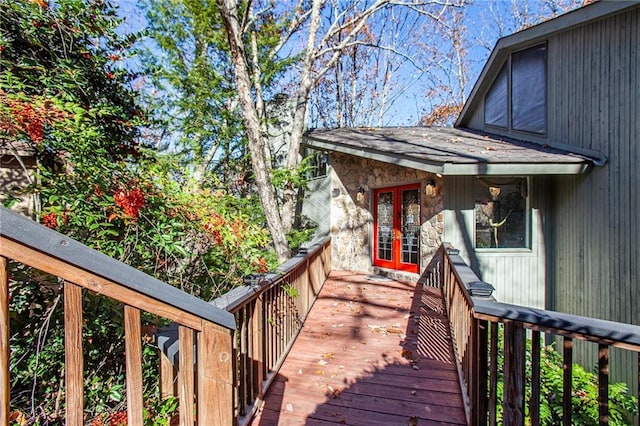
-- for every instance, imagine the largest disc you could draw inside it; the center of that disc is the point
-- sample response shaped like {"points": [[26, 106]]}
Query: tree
{"points": [[65, 93], [324, 31]]}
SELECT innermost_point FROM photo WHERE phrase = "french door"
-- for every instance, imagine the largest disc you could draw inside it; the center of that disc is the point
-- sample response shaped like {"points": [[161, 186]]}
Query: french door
{"points": [[396, 230]]}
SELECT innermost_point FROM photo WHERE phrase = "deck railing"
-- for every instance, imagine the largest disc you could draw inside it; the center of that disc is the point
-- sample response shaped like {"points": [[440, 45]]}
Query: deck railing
{"points": [[270, 312], [205, 388], [475, 329]]}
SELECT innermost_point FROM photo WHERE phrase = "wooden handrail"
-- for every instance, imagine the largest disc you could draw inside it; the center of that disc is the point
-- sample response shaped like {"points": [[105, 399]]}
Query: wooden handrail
{"points": [[81, 267], [474, 327], [269, 312]]}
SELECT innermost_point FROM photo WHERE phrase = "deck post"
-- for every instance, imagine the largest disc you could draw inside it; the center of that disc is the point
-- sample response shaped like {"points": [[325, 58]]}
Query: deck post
{"points": [[480, 374], [73, 355], [215, 376], [513, 404]]}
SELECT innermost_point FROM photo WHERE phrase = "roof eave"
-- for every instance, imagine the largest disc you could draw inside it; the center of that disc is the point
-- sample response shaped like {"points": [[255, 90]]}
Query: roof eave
{"points": [[456, 169]]}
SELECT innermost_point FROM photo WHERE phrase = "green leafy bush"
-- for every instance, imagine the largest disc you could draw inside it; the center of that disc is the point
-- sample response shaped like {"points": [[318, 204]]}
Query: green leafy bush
{"points": [[584, 392]]}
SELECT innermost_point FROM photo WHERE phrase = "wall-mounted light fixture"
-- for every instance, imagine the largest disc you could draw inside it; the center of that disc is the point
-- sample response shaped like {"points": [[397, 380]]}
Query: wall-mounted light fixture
{"points": [[430, 189], [360, 194]]}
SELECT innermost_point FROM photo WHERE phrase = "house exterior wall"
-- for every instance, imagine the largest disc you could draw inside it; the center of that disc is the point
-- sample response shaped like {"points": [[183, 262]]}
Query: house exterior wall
{"points": [[351, 219], [593, 103], [519, 275]]}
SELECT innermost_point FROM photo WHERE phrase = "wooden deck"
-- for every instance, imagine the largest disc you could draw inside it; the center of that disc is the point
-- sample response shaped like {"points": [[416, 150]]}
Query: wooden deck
{"points": [[371, 353]]}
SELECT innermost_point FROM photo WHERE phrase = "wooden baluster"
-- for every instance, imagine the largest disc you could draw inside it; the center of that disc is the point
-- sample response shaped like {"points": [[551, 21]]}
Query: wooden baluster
{"points": [[73, 355], [567, 379], [603, 384], [481, 373], [215, 376], [133, 351], [243, 368], [535, 378], [258, 345], [5, 387], [513, 405], [186, 376], [167, 377], [493, 375]]}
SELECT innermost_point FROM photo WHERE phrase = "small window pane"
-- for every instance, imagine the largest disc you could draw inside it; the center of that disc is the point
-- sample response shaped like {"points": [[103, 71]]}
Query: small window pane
{"points": [[529, 90], [501, 213], [495, 103]]}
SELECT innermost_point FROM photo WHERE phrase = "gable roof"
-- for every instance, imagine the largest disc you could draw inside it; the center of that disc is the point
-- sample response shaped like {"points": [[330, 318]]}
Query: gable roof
{"points": [[531, 36], [449, 151]]}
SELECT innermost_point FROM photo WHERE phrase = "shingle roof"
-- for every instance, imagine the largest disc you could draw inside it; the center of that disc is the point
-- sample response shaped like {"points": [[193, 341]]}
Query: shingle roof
{"points": [[449, 151]]}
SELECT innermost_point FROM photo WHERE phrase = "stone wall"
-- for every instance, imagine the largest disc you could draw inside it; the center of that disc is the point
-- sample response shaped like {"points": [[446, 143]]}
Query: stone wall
{"points": [[352, 215]]}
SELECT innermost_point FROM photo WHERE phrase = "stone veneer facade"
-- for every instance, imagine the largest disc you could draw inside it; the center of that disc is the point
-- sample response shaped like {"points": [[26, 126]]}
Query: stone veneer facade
{"points": [[351, 219]]}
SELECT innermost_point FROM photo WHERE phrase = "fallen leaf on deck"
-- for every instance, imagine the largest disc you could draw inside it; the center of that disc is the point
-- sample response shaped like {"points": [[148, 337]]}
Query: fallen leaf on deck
{"points": [[415, 367], [322, 363], [328, 355], [407, 354], [289, 407], [413, 421]]}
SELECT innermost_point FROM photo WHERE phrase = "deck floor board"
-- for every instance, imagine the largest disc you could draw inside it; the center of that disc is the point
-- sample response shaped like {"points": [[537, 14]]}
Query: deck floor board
{"points": [[370, 353]]}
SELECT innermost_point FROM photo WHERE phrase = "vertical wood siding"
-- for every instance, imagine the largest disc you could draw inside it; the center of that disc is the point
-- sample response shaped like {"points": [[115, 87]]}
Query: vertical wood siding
{"points": [[518, 275], [594, 102]]}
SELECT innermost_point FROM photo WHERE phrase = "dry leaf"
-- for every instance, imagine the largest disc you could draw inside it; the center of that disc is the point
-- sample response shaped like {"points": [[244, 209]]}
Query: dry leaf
{"points": [[413, 421], [322, 363], [289, 407], [328, 355]]}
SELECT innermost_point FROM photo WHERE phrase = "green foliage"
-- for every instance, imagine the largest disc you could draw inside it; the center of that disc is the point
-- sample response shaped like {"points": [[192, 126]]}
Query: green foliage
{"points": [[65, 95], [584, 392]]}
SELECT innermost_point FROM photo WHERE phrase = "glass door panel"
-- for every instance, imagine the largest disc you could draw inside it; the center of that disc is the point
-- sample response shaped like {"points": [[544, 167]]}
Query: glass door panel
{"points": [[410, 225], [384, 226], [397, 228]]}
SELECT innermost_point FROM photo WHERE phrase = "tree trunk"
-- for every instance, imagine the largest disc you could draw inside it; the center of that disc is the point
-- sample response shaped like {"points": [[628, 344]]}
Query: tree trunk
{"points": [[229, 13]]}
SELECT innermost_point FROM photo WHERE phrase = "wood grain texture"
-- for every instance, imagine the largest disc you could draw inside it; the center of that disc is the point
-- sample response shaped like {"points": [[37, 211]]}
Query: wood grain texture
{"points": [[5, 396], [215, 376], [370, 353], [73, 355], [133, 352], [186, 386]]}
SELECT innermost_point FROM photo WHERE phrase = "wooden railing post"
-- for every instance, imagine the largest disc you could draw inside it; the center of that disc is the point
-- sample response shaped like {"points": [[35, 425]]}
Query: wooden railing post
{"points": [[514, 376], [5, 388], [481, 372], [567, 380], [133, 351], [215, 376], [258, 345], [603, 384], [186, 376], [73, 355]]}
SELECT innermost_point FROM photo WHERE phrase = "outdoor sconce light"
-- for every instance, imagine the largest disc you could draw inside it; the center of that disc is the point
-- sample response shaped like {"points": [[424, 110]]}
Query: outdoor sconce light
{"points": [[480, 289], [430, 189], [360, 194]]}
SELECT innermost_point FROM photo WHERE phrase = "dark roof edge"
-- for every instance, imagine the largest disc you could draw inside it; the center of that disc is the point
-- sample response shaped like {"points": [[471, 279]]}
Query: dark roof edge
{"points": [[596, 157], [374, 155], [569, 20]]}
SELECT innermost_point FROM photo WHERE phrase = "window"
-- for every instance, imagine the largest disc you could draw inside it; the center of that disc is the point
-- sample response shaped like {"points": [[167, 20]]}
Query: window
{"points": [[529, 90], [518, 96], [495, 104], [316, 162], [501, 212]]}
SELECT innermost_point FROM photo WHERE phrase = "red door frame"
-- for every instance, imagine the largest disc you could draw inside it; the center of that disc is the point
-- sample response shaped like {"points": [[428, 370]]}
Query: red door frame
{"points": [[396, 247]]}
